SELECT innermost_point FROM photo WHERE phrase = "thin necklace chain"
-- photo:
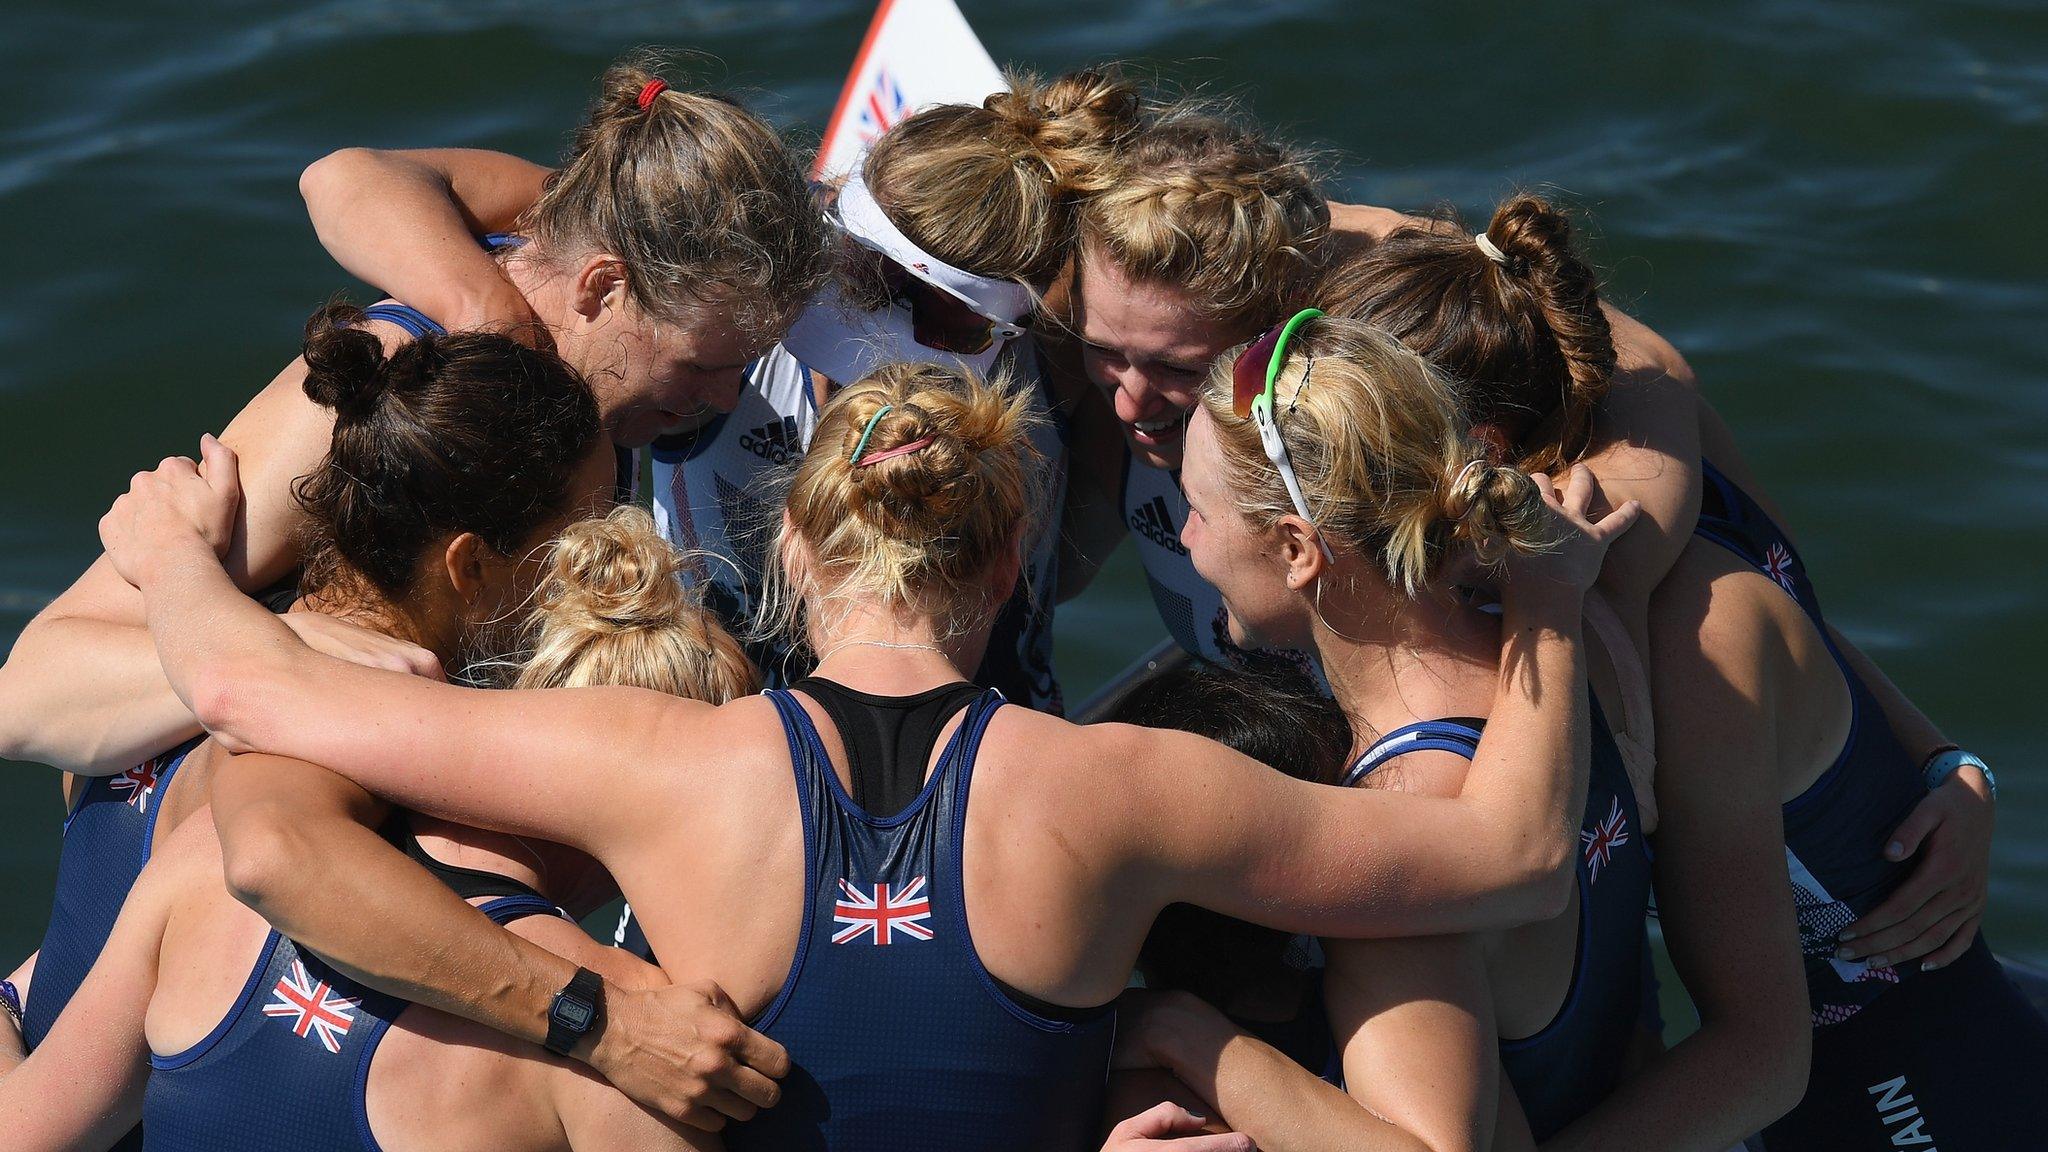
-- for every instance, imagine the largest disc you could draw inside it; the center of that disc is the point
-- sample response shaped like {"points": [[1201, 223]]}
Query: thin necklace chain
{"points": [[891, 644]]}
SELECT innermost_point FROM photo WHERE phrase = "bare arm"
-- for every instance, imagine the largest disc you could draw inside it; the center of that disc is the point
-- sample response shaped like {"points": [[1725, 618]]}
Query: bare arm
{"points": [[83, 690], [298, 846], [408, 222], [1722, 891], [1252, 843], [82, 1087]]}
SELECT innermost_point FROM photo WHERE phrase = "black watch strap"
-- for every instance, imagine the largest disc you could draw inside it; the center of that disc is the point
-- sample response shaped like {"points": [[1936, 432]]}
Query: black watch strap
{"points": [[575, 1012]]}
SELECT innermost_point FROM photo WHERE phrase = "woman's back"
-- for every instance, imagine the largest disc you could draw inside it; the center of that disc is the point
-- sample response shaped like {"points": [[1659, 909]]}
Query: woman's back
{"points": [[255, 1043], [919, 1039]]}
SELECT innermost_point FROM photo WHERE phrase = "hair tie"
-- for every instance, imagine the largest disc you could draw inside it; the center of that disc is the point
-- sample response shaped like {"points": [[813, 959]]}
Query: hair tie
{"points": [[1491, 250], [861, 445], [1458, 481], [892, 453], [652, 89]]}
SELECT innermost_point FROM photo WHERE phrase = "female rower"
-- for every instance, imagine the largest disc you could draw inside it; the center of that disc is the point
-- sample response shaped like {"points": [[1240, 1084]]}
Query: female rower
{"points": [[218, 1031], [1331, 487], [939, 971], [657, 288], [1210, 232], [952, 226], [1518, 294]]}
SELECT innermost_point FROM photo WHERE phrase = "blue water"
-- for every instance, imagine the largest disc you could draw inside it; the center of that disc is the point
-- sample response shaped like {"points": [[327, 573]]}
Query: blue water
{"points": [[1833, 209]]}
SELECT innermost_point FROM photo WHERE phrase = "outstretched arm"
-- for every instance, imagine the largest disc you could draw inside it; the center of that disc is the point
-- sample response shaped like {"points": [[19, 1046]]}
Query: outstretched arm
{"points": [[408, 222], [298, 846], [1255, 844]]}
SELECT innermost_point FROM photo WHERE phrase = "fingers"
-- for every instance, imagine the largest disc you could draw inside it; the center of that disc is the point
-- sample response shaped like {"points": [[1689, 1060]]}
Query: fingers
{"points": [[1923, 819], [1913, 937], [762, 1054], [1885, 925], [1162, 1120], [220, 466], [1926, 943], [728, 1104], [1579, 490], [1959, 943], [1612, 525], [751, 1086], [1218, 1142]]}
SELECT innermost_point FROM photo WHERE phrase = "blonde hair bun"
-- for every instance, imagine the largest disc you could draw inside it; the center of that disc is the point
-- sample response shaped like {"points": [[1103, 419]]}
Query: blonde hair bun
{"points": [[612, 609]]}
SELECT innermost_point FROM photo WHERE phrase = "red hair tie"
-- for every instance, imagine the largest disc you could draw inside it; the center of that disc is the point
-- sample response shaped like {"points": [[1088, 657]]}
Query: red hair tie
{"points": [[892, 453], [647, 94]]}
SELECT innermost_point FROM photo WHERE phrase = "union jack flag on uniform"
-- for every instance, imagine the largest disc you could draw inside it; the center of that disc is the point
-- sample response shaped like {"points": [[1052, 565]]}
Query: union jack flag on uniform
{"points": [[313, 1007], [1598, 843], [138, 782], [882, 106], [1778, 566], [881, 912]]}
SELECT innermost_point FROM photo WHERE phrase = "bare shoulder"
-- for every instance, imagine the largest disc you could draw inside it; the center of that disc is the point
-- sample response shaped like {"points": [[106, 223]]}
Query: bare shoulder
{"points": [[1714, 611], [565, 938]]}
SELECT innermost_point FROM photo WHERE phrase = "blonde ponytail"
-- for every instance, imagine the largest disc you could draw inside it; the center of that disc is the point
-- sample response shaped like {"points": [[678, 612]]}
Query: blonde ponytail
{"points": [[1376, 439]]}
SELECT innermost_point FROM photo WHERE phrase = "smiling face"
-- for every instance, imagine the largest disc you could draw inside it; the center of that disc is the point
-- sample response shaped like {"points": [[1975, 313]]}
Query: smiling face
{"points": [[1148, 347], [1243, 562]]}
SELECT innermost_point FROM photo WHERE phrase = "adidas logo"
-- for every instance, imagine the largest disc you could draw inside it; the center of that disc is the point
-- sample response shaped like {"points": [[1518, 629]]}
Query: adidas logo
{"points": [[1154, 523], [776, 441]]}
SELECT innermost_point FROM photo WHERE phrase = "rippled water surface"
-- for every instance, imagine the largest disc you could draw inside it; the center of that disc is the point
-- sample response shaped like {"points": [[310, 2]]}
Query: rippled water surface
{"points": [[1834, 209]]}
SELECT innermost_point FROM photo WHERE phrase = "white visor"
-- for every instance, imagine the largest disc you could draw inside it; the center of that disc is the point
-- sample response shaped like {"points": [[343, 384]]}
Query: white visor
{"points": [[1003, 301], [844, 343]]}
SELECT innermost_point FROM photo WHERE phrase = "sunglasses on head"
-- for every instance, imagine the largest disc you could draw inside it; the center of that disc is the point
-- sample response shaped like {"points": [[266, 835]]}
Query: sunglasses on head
{"points": [[1252, 377], [935, 321]]}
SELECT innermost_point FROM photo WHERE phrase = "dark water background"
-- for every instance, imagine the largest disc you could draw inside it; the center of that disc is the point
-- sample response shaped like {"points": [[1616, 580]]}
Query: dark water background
{"points": [[1834, 209]]}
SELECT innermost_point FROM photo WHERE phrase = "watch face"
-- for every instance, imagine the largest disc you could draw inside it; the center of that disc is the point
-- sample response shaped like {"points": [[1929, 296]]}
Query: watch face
{"points": [[574, 1015]]}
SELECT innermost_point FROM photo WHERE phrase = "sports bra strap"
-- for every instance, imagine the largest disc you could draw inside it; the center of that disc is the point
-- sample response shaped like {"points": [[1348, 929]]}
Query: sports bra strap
{"points": [[1635, 736], [1422, 736], [506, 909], [415, 322]]}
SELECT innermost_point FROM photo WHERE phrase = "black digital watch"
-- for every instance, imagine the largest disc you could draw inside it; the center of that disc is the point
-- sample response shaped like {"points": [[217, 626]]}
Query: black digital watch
{"points": [[575, 1012]]}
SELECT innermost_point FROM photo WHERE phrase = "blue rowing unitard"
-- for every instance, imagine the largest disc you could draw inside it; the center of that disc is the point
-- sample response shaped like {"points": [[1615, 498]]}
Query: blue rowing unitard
{"points": [[1949, 1059], [1574, 1061], [899, 1037], [289, 1065], [1836, 830], [106, 842]]}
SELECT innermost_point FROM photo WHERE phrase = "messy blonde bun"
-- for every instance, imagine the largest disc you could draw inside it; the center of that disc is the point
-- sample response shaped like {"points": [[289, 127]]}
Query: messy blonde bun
{"points": [[612, 609], [1376, 438], [990, 188], [921, 530]]}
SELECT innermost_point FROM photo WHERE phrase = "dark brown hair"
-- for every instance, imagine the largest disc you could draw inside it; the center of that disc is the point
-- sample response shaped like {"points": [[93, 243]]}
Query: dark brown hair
{"points": [[1523, 336], [1277, 717], [699, 198], [471, 432]]}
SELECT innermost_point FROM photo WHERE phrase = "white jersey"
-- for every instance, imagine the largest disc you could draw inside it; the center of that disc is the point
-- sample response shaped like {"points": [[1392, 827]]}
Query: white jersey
{"points": [[1190, 606], [718, 493]]}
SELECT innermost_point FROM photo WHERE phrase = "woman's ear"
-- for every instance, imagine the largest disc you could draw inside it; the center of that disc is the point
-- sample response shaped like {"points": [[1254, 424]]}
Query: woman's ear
{"points": [[1301, 552], [463, 560], [599, 287]]}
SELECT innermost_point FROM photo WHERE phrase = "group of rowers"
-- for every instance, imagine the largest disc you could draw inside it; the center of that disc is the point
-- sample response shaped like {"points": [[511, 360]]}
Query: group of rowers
{"points": [[1498, 636]]}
